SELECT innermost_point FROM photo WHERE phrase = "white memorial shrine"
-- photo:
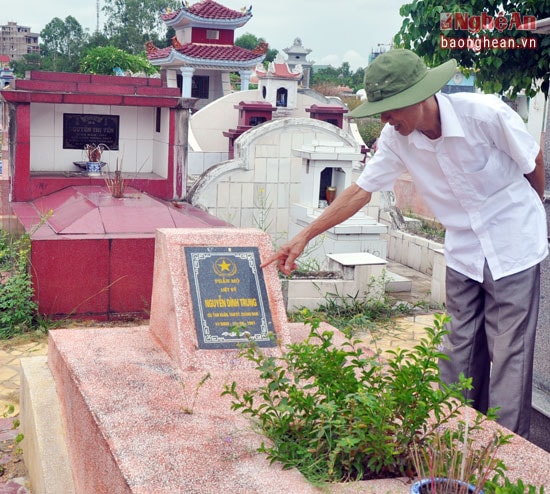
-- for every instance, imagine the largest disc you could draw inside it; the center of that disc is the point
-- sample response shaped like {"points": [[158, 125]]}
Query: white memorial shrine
{"points": [[330, 164]]}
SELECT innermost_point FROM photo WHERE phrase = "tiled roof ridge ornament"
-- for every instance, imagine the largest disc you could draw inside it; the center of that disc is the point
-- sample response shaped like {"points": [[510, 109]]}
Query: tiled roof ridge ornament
{"points": [[175, 43], [205, 9], [279, 59], [261, 48], [150, 47]]}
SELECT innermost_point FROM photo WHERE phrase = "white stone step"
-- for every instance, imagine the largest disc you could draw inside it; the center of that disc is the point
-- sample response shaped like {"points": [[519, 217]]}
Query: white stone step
{"points": [[541, 401], [397, 283]]}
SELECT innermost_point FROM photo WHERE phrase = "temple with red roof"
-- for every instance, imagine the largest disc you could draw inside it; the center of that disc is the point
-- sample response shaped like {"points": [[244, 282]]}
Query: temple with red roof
{"points": [[203, 53]]}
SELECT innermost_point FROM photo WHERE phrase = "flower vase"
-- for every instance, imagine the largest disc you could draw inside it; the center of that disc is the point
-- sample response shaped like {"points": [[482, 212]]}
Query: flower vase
{"points": [[330, 194], [426, 486], [93, 168]]}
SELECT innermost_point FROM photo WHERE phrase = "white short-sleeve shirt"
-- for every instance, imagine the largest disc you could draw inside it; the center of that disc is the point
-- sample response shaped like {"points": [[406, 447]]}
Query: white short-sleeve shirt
{"points": [[472, 178]]}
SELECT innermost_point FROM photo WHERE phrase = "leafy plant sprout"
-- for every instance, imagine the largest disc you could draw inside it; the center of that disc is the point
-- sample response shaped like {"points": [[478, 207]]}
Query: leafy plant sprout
{"points": [[338, 413], [9, 411], [263, 205], [189, 407]]}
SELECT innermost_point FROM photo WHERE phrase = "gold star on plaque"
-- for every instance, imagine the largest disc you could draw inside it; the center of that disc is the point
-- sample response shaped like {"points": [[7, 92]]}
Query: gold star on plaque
{"points": [[225, 267]]}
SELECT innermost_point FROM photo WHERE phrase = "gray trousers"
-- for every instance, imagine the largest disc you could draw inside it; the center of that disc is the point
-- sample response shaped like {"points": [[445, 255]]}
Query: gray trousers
{"points": [[492, 340]]}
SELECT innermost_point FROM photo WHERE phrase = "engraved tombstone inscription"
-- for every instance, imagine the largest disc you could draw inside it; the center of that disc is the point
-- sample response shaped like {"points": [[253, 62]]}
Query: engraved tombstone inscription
{"points": [[228, 291], [82, 129]]}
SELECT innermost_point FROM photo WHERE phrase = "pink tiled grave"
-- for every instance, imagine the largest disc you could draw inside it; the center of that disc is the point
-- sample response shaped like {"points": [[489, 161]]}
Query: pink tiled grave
{"points": [[84, 233], [123, 401], [137, 419], [92, 210]]}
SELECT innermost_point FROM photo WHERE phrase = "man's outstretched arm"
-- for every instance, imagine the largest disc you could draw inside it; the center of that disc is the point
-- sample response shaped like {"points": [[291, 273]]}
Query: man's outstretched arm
{"points": [[344, 206]]}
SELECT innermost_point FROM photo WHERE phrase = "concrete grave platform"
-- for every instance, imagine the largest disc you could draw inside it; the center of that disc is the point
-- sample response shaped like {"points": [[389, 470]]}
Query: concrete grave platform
{"points": [[123, 400], [118, 425]]}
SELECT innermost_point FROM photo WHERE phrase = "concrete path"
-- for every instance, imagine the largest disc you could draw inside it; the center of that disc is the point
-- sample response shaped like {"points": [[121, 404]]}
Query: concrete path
{"points": [[540, 432], [10, 356]]}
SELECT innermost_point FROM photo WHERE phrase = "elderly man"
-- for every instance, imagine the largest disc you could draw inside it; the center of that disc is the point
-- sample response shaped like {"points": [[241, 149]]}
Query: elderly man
{"points": [[482, 174]]}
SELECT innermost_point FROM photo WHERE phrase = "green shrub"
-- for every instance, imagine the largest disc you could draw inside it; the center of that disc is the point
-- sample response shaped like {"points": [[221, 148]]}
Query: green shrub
{"points": [[17, 307], [104, 59], [336, 413]]}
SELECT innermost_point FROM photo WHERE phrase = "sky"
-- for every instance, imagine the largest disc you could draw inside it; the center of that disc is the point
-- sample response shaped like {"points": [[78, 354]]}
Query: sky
{"points": [[334, 32]]}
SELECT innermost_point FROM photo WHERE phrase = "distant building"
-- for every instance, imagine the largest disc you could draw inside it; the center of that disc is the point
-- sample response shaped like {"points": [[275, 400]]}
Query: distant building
{"points": [[16, 41], [297, 56], [380, 48]]}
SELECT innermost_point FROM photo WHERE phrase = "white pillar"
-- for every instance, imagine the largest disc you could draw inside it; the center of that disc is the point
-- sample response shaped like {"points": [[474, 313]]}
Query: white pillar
{"points": [[245, 79], [187, 81]]}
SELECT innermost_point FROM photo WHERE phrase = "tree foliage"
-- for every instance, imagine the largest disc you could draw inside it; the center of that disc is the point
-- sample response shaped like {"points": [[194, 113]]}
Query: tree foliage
{"points": [[62, 43], [497, 70], [130, 24], [338, 76], [31, 61], [251, 41], [96, 39]]}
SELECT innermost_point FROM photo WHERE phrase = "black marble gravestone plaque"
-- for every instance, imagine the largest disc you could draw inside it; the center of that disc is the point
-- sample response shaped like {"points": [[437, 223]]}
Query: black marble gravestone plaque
{"points": [[228, 291], [82, 129]]}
